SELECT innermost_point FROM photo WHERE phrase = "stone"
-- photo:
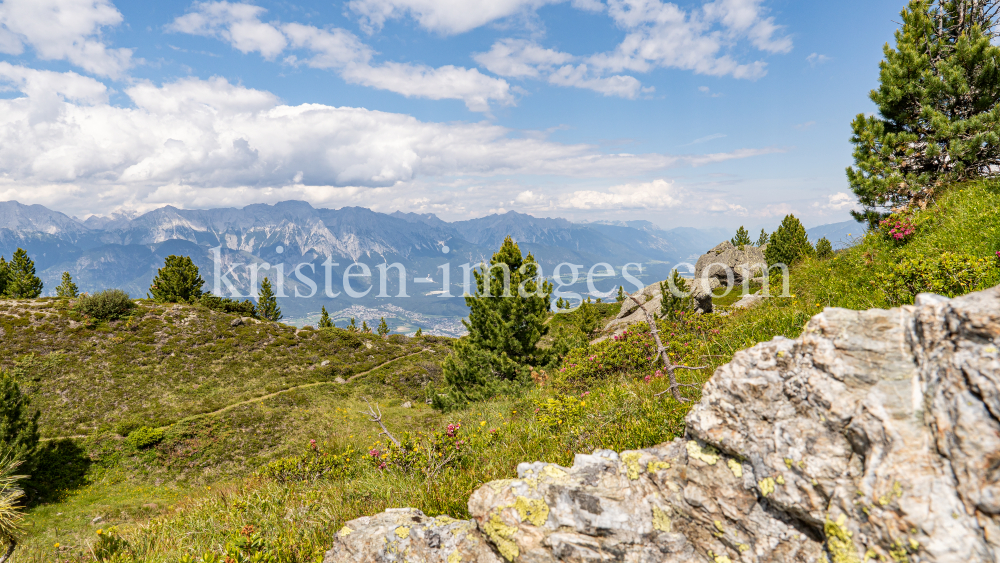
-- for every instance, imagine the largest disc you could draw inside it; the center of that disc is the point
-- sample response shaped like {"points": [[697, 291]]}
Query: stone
{"points": [[748, 301], [407, 534], [324, 363], [238, 321], [97, 520], [407, 405], [873, 436], [714, 267]]}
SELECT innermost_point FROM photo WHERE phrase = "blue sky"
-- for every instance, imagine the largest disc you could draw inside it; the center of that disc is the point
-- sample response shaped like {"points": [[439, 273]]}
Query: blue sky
{"points": [[686, 114]]}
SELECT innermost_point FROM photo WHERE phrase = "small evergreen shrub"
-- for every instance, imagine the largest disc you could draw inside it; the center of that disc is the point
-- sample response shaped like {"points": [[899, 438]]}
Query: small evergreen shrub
{"points": [[312, 465], [674, 306], [125, 427], [741, 239], [950, 275], [789, 243], [144, 437], [67, 288], [107, 305], [244, 308], [324, 319]]}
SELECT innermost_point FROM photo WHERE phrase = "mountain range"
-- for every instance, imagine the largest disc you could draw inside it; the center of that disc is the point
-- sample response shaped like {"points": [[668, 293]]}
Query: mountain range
{"points": [[125, 250]]}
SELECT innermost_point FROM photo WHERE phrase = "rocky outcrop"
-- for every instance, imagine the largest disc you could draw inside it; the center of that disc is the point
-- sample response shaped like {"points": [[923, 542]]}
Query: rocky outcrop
{"points": [[873, 436], [714, 267]]}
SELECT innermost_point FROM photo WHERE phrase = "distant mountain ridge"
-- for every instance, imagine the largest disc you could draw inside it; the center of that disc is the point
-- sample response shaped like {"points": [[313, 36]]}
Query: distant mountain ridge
{"points": [[125, 250]]}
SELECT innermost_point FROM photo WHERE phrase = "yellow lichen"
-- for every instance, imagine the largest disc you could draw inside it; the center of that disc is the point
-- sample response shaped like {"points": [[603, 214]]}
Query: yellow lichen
{"points": [[345, 531], [532, 510], [655, 466], [723, 559], [403, 532], [455, 557], [718, 526], [766, 486], [736, 467], [500, 534], [789, 462], [500, 484], [780, 479], [708, 454], [661, 521], [839, 542], [553, 472], [870, 555], [743, 547], [631, 461]]}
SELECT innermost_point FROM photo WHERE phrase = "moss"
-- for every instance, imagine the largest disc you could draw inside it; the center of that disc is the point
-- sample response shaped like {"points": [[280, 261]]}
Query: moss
{"points": [[534, 511], [631, 461], [766, 486], [839, 541], [736, 467], [707, 454], [661, 521]]}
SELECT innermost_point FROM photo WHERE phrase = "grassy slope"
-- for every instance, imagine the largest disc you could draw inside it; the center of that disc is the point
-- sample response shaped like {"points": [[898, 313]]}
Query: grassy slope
{"points": [[620, 412]]}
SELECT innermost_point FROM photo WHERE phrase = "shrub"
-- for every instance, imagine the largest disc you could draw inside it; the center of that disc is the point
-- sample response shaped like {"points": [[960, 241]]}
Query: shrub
{"points": [[144, 437], [897, 228], [474, 374], [824, 249], [312, 465], [673, 306], [588, 319], [244, 308], [18, 423], [560, 410], [177, 280], [107, 305], [789, 243], [428, 454], [949, 275], [628, 352], [125, 427]]}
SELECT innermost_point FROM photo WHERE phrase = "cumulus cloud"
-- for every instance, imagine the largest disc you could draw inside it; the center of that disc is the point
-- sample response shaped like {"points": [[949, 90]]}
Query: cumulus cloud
{"points": [[658, 194], [66, 30], [341, 51], [817, 59], [840, 201], [449, 17], [189, 140]]}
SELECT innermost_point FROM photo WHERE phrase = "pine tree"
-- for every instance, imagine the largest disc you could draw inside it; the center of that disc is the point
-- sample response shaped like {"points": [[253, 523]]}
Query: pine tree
{"points": [[742, 238], [763, 239], [22, 283], [671, 306], [178, 280], [364, 327], [267, 304], [18, 423], [324, 319], [939, 108], [67, 288], [587, 318], [621, 294], [353, 327], [419, 333], [560, 304], [824, 249], [4, 275], [383, 328], [506, 320], [789, 243]]}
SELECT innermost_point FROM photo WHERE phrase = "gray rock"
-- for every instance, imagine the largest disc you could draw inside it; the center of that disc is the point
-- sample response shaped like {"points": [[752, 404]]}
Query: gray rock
{"points": [[408, 535], [238, 321], [748, 301], [97, 520], [407, 405], [648, 293], [324, 363], [340, 380], [714, 267], [873, 436]]}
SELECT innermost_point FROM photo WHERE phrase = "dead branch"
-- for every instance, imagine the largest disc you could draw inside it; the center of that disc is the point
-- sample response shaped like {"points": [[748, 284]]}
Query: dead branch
{"points": [[375, 414], [661, 352], [10, 551]]}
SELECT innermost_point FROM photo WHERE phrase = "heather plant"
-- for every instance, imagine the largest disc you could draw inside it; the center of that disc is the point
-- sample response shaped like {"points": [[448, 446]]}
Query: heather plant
{"points": [[897, 228], [107, 305], [178, 280]]}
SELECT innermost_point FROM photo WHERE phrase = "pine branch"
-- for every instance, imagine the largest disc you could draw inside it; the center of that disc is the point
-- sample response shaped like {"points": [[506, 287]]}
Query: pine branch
{"points": [[661, 352]]}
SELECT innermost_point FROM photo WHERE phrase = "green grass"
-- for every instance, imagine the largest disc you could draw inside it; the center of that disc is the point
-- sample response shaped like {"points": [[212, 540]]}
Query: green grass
{"points": [[196, 490]]}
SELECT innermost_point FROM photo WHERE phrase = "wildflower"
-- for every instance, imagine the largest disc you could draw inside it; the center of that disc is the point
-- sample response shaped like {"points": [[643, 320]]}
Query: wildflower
{"points": [[100, 531], [493, 430], [312, 444], [482, 423], [57, 545]]}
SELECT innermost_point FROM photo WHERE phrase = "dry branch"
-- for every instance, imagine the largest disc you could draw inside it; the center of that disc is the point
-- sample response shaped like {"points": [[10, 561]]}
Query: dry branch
{"points": [[376, 416], [661, 353]]}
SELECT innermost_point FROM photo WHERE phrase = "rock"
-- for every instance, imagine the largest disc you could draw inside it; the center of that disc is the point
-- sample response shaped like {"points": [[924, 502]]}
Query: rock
{"points": [[713, 268], [748, 301], [324, 363], [97, 520], [407, 534], [873, 436], [649, 292], [238, 321], [340, 380], [407, 405]]}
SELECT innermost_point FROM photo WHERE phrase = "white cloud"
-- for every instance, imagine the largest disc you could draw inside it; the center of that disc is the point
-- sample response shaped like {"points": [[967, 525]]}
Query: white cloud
{"points": [[840, 201], [341, 51], [208, 142], [805, 126], [817, 59], [64, 30], [447, 16], [658, 194], [518, 58], [707, 138]]}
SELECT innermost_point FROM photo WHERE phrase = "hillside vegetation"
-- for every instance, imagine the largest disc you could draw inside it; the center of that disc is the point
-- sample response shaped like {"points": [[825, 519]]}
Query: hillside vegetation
{"points": [[197, 433]]}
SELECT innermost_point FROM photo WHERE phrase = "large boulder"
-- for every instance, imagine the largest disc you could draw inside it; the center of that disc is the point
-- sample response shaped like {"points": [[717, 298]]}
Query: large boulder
{"points": [[714, 267], [874, 436]]}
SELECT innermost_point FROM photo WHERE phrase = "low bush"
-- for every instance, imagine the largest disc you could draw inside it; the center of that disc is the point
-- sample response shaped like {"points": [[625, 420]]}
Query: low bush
{"points": [[949, 275], [313, 464], [144, 437], [229, 306], [107, 305]]}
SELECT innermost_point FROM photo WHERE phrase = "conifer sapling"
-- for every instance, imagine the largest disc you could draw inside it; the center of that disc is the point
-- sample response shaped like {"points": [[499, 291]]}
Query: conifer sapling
{"points": [[741, 239], [22, 283], [324, 319], [67, 288], [177, 281], [383, 328], [267, 304]]}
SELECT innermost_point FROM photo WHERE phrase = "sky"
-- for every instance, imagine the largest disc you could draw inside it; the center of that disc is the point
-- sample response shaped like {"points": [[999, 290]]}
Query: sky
{"points": [[695, 114]]}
